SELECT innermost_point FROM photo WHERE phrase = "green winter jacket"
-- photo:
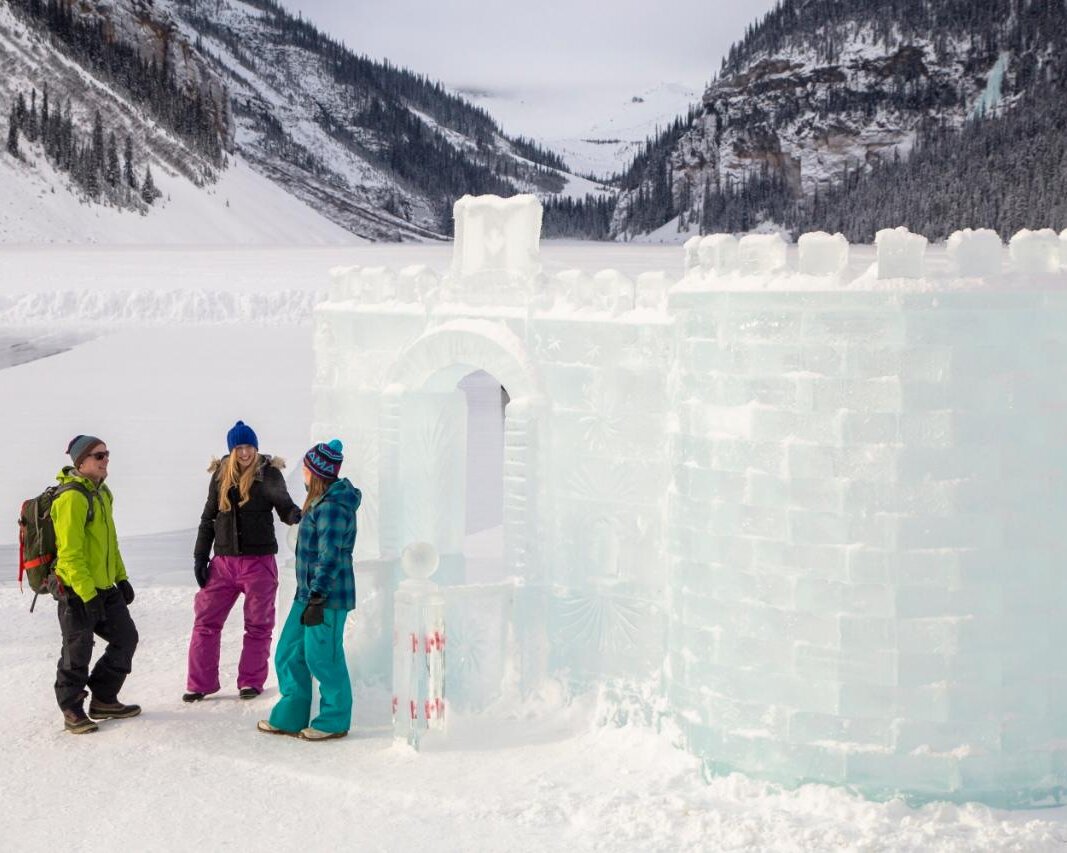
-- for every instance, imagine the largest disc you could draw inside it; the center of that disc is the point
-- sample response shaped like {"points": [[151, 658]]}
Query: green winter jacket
{"points": [[88, 555]]}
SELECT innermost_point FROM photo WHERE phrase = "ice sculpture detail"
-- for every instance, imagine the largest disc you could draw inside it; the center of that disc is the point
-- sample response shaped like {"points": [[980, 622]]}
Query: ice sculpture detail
{"points": [[418, 648]]}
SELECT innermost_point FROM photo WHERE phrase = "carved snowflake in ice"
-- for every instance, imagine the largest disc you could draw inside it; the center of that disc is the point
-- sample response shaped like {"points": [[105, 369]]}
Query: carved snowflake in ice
{"points": [[601, 622], [476, 646], [602, 483], [602, 428]]}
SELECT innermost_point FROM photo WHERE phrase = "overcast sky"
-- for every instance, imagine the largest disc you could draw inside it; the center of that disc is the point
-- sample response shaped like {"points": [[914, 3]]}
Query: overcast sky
{"points": [[496, 46]]}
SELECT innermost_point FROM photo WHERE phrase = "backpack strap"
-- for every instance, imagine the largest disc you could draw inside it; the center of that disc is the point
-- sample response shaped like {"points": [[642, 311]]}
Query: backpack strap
{"points": [[77, 487]]}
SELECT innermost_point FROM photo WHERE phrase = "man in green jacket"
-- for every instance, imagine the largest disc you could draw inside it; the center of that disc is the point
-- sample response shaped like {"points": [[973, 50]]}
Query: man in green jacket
{"points": [[94, 593]]}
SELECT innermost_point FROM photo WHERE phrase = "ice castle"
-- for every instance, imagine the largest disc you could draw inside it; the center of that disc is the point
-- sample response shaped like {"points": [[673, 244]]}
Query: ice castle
{"points": [[824, 519]]}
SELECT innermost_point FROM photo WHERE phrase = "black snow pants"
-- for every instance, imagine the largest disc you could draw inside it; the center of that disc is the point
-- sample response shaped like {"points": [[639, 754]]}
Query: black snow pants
{"points": [[78, 628]]}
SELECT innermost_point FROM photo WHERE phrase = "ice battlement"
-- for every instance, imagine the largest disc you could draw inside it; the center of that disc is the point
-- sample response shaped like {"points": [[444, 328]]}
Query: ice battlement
{"points": [[831, 500], [497, 264]]}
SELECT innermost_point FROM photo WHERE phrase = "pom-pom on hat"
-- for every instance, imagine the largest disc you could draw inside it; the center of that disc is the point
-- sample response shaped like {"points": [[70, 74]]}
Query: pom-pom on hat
{"points": [[324, 459], [80, 446], [241, 433]]}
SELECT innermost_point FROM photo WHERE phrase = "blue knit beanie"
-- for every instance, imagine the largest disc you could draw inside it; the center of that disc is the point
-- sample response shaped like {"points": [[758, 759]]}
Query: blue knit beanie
{"points": [[324, 460], [241, 433], [80, 446]]}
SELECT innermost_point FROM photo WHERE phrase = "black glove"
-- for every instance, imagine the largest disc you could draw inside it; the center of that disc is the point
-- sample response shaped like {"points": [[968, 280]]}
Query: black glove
{"points": [[312, 614], [126, 588], [95, 610], [201, 570]]}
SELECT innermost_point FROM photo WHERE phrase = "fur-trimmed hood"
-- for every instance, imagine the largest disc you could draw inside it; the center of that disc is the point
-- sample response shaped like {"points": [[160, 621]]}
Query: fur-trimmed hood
{"points": [[265, 460]]}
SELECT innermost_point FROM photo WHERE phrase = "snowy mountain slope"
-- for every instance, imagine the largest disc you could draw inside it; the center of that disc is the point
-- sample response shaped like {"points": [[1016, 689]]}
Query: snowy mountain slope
{"points": [[39, 204], [31, 63], [378, 151], [242, 208]]}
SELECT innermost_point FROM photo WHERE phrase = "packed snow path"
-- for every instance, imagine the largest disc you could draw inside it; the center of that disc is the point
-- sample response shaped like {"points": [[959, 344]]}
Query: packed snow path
{"points": [[201, 777]]}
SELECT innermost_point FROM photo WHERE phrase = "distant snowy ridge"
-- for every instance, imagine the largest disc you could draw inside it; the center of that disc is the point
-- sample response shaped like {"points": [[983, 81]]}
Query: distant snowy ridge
{"points": [[167, 307]]}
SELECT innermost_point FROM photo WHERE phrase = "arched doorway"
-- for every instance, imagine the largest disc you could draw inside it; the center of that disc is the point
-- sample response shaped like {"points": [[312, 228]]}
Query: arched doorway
{"points": [[425, 459], [483, 547]]}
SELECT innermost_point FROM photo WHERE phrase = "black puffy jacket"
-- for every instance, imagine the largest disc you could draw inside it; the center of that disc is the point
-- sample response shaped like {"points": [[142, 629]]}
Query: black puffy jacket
{"points": [[249, 530]]}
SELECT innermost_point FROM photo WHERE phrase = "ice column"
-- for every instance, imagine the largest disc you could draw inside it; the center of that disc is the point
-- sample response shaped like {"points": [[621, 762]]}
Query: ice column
{"points": [[418, 647]]}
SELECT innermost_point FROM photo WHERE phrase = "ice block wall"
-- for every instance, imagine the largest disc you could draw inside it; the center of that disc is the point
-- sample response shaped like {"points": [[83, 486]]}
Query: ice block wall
{"points": [[867, 540], [604, 345]]}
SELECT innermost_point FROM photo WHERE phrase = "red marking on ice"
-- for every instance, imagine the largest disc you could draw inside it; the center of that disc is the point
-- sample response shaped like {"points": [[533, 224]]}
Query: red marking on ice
{"points": [[414, 711]]}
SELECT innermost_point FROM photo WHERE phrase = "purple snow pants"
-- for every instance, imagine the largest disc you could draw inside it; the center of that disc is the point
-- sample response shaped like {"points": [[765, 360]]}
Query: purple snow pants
{"points": [[257, 578]]}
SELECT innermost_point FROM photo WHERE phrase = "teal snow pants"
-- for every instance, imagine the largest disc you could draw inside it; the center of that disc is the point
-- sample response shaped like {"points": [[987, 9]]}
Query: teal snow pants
{"points": [[318, 652]]}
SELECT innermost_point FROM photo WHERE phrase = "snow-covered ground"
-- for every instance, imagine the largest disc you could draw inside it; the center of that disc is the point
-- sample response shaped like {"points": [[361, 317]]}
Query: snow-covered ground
{"points": [[162, 385]]}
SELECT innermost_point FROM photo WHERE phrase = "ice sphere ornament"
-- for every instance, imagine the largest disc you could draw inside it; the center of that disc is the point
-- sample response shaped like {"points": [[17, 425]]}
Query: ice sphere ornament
{"points": [[419, 561]]}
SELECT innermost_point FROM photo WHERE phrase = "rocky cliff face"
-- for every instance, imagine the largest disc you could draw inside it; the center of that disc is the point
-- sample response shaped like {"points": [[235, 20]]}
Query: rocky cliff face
{"points": [[152, 31], [817, 91]]}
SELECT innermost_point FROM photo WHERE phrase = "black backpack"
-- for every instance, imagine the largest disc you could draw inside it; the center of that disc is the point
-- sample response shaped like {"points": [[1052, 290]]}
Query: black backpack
{"points": [[37, 540]]}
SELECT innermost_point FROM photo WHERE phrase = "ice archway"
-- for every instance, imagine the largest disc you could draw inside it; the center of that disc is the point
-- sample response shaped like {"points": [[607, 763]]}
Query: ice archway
{"points": [[423, 428]]}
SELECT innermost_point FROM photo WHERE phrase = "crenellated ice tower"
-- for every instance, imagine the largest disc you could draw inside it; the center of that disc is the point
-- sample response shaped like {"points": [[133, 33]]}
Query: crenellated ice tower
{"points": [[825, 516]]}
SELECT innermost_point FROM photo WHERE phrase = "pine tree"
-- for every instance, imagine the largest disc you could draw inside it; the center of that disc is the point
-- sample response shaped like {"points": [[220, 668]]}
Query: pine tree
{"points": [[149, 193], [13, 134], [127, 164], [112, 169], [31, 118]]}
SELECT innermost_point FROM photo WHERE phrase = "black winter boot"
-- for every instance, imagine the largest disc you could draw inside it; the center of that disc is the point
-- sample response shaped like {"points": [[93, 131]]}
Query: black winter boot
{"points": [[111, 710], [248, 692], [74, 719], [193, 696]]}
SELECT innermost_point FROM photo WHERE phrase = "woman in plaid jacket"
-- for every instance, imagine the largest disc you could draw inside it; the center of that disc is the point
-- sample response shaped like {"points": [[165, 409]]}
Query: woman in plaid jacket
{"points": [[311, 644]]}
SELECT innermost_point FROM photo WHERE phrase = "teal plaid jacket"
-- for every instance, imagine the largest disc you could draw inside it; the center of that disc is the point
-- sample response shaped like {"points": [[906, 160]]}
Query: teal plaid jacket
{"points": [[324, 545]]}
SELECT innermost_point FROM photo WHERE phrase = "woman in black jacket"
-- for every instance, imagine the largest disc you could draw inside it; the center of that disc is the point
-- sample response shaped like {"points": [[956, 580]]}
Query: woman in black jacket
{"points": [[245, 490]]}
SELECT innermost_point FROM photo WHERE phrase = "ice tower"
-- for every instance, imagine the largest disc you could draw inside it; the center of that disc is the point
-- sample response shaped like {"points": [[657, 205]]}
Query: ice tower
{"points": [[822, 515]]}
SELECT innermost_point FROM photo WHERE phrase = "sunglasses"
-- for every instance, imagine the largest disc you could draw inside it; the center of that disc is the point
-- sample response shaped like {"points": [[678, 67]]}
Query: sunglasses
{"points": [[101, 455]]}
